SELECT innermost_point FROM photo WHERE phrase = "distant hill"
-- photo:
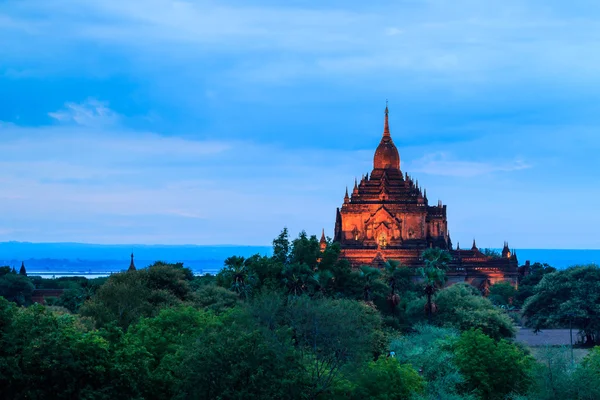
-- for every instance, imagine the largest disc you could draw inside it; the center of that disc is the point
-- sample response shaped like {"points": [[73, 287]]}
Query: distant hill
{"points": [[81, 257]]}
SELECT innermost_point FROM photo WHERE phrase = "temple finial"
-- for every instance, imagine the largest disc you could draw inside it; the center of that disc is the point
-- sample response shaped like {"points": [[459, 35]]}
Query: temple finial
{"points": [[386, 125], [355, 184], [474, 245], [131, 265]]}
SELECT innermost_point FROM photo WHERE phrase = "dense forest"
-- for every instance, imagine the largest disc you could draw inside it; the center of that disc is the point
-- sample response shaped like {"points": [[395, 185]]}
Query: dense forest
{"points": [[301, 324]]}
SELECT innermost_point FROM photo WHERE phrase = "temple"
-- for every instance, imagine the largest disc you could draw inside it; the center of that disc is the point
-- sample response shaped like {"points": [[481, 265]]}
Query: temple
{"points": [[131, 264], [387, 216]]}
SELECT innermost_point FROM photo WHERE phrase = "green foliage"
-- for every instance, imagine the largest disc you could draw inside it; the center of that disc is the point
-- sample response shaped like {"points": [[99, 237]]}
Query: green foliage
{"points": [[281, 247], [430, 350], [528, 283], [492, 369], [370, 279], [214, 298], [305, 250], [502, 294], [164, 340], [493, 253], [45, 355], [460, 306], [237, 276], [234, 360], [202, 280], [555, 377], [562, 296], [297, 278], [436, 258], [330, 334], [128, 296], [433, 273], [592, 360], [299, 324], [384, 379], [16, 288]]}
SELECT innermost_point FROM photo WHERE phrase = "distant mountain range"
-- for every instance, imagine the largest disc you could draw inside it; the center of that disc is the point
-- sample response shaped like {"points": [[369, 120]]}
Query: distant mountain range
{"points": [[94, 258]]}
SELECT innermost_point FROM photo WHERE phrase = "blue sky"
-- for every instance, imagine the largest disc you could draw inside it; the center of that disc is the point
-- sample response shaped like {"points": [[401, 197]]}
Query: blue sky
{"points": [[197, 122]]}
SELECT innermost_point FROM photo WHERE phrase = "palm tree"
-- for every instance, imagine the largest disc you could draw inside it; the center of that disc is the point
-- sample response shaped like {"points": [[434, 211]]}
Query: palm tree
{"points": [[320, 280], [296, 277], [392, 270], [368, 275], [433, 273], [237, 272]]}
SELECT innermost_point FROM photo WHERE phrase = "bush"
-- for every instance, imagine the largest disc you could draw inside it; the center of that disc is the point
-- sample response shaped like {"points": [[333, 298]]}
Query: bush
{"points": [[492, 369], [430, 351], [383, 379], [460, 306]]}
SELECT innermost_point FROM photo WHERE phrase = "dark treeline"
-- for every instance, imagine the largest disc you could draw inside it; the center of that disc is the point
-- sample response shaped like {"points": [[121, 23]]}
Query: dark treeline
{"points": [[300, 325]]}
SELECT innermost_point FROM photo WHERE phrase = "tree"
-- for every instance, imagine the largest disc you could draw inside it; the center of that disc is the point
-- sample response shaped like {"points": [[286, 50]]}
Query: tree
{"points": [[281, 247], [128, 296], [430, 351], [393, 276], [462, 307], [305, 250], [492, 369], [569, 295], [16, 288], [47, 355], [266, 271], [528, 283], [555, 377], [161, 343], [330, 334], [383, 379], [493, 253], [369, 277], [214, 298], [433, 273], [296, 278], [502, 294], [232, 359], [237, 276], [188, 274]]}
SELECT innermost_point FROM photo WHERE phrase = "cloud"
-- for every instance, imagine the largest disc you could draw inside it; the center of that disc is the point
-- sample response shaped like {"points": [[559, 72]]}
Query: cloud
{"points": [[78, 177], [462, 40], [441, 164], [393, 31], [89, 113]]}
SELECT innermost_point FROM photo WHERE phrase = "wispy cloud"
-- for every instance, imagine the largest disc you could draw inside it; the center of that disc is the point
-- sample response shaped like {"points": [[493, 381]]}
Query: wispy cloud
{"points": [[89, 113], [443, 164]]}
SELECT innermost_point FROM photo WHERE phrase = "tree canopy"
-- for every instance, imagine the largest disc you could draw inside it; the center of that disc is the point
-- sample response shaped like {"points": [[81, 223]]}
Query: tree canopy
{"points": [[562, 297]]}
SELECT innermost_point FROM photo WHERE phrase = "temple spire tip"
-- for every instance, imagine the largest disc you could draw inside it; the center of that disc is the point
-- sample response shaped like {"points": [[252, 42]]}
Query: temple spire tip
{"points": [[386, 125]]}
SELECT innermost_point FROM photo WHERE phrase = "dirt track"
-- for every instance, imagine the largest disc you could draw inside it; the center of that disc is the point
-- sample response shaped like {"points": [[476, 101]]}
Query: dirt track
{"points": [[552, 337]]}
